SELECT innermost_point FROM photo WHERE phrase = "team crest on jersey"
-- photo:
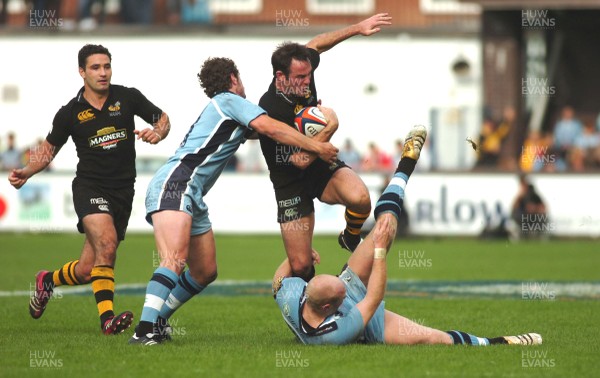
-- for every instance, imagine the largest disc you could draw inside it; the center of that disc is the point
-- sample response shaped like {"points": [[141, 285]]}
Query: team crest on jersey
{"points": [[86, 115], [115, 109], [107, 138]]}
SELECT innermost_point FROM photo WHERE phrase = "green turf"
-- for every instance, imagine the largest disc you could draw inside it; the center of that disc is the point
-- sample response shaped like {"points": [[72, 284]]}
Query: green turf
{"points": [[252, 257], [245, 336]]}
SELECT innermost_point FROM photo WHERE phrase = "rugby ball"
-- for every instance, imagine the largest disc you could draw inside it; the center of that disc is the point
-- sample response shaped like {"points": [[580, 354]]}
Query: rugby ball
{"points": [[310, 121]]}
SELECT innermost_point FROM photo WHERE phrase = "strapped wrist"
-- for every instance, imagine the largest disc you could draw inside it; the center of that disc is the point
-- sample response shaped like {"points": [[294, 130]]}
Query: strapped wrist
{"points": [[380, 253]]}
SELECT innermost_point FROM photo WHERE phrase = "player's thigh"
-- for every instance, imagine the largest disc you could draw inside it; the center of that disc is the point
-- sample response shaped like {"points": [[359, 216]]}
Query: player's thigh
{"points": [[202, 258], [297, 239], [346, 188], [172, 236], [401, 330]]}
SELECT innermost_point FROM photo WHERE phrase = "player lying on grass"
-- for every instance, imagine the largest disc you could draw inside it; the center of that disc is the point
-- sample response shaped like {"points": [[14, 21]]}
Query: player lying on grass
{"points": [[349, 308], [175, 197]]}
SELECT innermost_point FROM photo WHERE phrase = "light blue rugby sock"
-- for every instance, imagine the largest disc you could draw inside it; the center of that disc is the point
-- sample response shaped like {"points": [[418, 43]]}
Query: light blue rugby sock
{"points": [[162, 282], [186, 288]]}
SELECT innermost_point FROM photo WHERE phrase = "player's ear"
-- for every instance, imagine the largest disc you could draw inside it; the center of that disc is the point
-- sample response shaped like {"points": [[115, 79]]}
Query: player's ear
{"points": [[82, 73], [280, 76], [234, 79]]}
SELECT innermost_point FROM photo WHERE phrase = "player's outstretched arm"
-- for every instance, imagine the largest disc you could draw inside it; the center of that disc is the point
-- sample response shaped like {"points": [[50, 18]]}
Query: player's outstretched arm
{"points": [[39, 158], [382, 236], [284, 134], [158, 132], [371, 25]]}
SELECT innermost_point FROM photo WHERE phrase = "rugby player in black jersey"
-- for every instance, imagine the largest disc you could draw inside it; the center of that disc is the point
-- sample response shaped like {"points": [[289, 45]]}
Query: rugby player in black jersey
{"points": [[298, 176], [100, 120]]}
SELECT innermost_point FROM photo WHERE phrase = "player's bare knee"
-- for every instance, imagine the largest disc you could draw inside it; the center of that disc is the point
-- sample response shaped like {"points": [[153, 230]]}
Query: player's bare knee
{"points": [[364, 200], [305, 270], [359, 200], [301, 265]]}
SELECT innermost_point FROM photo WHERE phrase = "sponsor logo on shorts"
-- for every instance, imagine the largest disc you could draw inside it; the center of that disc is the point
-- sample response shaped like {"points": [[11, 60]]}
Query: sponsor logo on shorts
{"points": [[291, 213], [98, 201], [107, 138], [85, 115], [103, 207], [289, 202]]}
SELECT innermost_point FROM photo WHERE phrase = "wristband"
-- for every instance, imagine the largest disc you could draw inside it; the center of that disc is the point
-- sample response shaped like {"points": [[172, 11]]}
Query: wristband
{"points": [[380, 253]]}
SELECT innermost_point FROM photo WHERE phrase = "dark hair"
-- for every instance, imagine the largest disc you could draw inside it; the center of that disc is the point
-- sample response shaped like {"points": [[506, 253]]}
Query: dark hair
{"points": [[281, 60], [215, 75], [88, 50]]}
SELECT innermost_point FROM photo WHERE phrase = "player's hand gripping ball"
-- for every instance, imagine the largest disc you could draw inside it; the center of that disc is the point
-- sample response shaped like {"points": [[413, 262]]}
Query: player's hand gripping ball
{"points": [[310, 121]]}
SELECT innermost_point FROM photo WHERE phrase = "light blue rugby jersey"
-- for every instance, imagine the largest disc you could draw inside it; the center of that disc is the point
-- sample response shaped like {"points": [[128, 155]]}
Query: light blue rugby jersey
{"points": [[213, 139], [344, 327]]}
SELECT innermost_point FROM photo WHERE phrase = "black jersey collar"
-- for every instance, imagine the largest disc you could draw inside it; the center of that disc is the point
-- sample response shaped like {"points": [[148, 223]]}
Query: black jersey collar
{"points": [[328, 325]]}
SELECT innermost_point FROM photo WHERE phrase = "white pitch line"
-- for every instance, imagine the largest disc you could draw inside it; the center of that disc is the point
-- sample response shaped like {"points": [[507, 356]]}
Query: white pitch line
{"points": [[523, 289]]}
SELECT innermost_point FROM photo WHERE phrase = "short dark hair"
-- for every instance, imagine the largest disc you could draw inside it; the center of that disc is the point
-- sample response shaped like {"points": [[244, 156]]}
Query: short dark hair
{"points": [[281, 60], [88, 50], [215, 75]]}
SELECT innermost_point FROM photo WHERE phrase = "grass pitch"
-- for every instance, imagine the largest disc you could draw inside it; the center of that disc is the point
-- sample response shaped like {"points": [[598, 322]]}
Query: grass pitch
{"points": [[232, 335]]}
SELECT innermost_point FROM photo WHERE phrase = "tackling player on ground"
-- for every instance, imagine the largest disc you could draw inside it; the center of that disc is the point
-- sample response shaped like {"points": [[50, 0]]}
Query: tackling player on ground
{"points": [[100, 120], [297, 176], [349, 308], [175, 197]]}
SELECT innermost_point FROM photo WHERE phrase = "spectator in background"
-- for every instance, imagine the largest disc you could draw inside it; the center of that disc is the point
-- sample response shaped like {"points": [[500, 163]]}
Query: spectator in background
{"points": [[492, 138], [529, 212], [536, 153], [87, 21], [566, 132], [188, 12], [137, 11], [349, 155], [586, 151], [377, 160], [11, 157], [3, 12]]}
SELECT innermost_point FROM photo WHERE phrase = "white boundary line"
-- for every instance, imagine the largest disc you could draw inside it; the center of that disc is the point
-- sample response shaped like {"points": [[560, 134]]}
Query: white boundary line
{"points": [[521, 289]]}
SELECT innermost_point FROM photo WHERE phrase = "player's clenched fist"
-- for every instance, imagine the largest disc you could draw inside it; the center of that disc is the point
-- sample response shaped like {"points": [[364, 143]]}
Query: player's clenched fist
{"points": [[17, 178]]}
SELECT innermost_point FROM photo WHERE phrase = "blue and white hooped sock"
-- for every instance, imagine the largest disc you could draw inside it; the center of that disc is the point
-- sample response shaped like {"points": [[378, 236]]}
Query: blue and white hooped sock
{"points": [[393, 196], [186, 288], [162, 282], [464, 338]]}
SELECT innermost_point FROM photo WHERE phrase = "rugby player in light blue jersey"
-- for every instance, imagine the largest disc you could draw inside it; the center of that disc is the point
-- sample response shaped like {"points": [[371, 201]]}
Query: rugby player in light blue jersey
{"points": [[174, 200], [349, 308]]}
